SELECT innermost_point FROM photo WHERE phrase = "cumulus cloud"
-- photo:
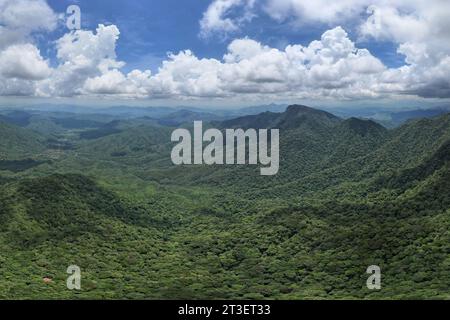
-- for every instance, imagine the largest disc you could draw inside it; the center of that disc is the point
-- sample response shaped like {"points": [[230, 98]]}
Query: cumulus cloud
{"points": [[419, 28], [23, 62], [16, 87], [82, 55], [421, 31], [134, 84], [228, 16], [314, 11], [216, 18], [19, 18], [333, 66]]}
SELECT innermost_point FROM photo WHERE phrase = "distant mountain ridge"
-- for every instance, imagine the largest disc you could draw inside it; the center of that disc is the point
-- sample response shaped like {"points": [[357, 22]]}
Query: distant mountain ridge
{"points": [[363, 127], [350, 193], [294, 116], [388, 117], [187, 116]]}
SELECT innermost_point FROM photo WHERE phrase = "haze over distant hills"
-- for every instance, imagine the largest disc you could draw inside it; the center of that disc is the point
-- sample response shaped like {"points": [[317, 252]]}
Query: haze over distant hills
{"points": [[387, 117]]}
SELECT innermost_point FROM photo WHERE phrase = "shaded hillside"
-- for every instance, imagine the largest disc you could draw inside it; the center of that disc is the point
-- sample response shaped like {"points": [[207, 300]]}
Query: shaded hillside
{"points": [[355, 138], [364, 128], [47, 224], [305, 251], [294, 117], [16, 142], [354, 151], [404, 179], [141, 141], [18, 118], [310, 141], [349, 194]]}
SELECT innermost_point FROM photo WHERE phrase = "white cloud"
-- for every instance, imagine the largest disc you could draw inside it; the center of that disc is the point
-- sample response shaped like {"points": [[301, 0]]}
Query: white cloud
{"points": [[19, 18], [419, 28], [112, 82], [16, 87], [134, 85], [421, 31], [216, 18], [82, 55], [228, 16], [23, 62], [241, 49], [89, 66], [186, 75], [314, 11], [331, 67], [93, 46]]}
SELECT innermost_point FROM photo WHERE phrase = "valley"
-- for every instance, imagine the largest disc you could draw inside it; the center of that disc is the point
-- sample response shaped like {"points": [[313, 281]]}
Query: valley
{"points": [[100, 191]]}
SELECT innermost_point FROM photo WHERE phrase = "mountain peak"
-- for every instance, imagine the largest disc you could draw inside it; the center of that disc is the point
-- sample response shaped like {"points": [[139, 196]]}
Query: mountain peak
{"points": [[363, 127], [298, 115], [301, 110], [295, 116]]}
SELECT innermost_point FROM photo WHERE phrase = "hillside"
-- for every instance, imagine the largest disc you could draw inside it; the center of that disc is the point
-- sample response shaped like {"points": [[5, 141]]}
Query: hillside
{"points": [[69, 219], [17, 142], [294, 117], [350, 193]]}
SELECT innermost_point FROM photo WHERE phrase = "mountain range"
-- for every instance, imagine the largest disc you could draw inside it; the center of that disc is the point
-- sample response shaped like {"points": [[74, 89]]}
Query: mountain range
{"points": [[99, 190]]}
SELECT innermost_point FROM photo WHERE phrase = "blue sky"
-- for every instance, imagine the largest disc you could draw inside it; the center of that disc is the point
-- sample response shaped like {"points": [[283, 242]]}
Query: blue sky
{"points": [[150, 29], [228, 51]]}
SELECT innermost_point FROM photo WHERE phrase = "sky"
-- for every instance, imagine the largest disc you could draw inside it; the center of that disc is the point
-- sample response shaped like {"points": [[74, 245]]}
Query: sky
{"points": [[226, 52]]}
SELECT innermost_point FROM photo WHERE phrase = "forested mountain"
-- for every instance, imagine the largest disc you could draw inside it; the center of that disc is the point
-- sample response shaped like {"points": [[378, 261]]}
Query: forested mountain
{"points": [[294, 117], [18, 142], [103, 194]]}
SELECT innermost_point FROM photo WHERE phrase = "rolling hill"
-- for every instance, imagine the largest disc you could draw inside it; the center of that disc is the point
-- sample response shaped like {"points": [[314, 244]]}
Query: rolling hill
{"points": [[350, 193], [17, 142]]}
